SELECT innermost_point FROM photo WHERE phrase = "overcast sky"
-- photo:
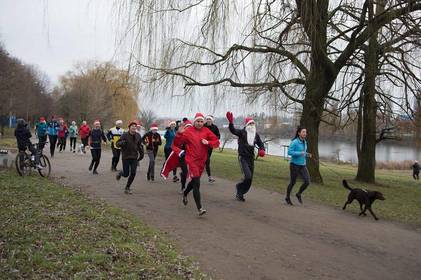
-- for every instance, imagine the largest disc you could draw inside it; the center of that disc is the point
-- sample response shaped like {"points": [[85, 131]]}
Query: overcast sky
{"points": [[56, 34]]}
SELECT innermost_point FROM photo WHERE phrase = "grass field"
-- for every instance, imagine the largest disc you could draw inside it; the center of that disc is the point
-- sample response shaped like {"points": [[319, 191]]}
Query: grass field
{"points": [[403, 194], [51, 232]]}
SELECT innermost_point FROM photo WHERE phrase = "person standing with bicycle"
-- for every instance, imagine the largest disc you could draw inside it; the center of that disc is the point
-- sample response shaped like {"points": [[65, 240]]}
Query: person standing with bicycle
{"points": [[96, 136], [23, 139]]}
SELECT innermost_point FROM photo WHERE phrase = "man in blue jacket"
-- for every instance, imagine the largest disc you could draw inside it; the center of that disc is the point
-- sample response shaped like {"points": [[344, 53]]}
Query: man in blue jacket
{"points": [[298, 152]]}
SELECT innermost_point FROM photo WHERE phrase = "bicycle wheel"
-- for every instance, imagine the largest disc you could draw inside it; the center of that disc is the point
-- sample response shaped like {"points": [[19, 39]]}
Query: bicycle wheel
{"points": [[46, 166], [23, 166]]}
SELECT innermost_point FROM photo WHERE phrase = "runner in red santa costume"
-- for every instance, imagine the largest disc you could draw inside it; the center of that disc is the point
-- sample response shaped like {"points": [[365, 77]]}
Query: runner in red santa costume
{"points": [[175, 160], [196, 141]]}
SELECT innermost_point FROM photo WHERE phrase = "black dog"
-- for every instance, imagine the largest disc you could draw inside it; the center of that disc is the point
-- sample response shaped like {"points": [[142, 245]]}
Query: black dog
{"points": [[363, 197]]}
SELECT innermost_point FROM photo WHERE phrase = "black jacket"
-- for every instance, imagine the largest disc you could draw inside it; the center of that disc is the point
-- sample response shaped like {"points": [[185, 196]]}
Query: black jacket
{"points": [[131, 146], [416, 168], [96, 135], [244, 149], [214, 129], [23, 136], [152, 141]]}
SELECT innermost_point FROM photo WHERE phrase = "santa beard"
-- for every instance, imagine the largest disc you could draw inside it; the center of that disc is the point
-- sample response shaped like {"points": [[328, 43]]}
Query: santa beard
{"points": [[251, 134]]}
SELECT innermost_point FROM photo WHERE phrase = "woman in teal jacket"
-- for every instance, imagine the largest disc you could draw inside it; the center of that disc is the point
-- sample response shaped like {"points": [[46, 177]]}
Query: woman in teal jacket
{"points": [[298, 152]]}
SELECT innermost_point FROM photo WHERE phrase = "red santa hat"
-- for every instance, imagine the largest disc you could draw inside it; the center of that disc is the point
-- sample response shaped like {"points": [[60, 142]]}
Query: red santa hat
{"points": [[187, 123], [198, 116], [132, 123], [42, 119], [154, 126], [248, 121], [210, 117]]}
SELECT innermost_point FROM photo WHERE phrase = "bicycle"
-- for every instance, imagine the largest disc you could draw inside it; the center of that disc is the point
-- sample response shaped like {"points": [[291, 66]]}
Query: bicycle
{"points": [[25, 163]]}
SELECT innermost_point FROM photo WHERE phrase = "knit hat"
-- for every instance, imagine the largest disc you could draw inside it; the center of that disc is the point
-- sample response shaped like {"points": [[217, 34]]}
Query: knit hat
{"points": [[248, 120], [132, 123], [198, 116], [154, 126], [119, 122]]}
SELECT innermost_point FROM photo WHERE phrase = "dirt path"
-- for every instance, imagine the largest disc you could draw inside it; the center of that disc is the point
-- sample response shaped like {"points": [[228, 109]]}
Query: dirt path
{"points": [[261, 238]]}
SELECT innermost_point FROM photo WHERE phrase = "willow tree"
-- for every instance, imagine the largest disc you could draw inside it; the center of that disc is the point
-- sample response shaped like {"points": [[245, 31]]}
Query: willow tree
{"points": [[291, 48]]}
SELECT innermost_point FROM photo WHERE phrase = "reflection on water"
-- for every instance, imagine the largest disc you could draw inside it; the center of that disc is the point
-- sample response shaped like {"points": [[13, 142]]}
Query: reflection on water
{"points": [[386, 151]]}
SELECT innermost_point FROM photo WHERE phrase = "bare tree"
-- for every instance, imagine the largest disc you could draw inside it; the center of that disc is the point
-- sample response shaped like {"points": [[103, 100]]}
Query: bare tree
{"points": [[147, 117], [295, 49]]}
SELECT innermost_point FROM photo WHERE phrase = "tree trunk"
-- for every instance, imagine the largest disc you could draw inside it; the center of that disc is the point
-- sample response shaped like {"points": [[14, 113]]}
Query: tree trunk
{"points": [[367, 155], [316, 88]]}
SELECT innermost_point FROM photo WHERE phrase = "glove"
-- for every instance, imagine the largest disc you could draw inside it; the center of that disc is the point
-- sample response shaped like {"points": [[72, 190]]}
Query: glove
{"points": [[261, 153], [230, 117], [182, 153]]}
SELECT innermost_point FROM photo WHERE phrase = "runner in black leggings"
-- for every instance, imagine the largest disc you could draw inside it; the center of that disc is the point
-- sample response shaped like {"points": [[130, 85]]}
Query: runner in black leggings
{"points": [[95, 137], [132, 151], [298, 152]]}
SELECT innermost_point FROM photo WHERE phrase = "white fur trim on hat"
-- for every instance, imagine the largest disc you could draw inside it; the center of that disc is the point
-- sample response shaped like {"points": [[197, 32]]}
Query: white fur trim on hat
{"points": [[154, 127], [210, 117], [198, 116]]}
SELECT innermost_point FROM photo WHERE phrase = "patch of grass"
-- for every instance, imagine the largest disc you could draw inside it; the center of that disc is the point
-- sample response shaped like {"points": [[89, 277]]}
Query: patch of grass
{"points": [[403, 194], [7, 142], [50, 232]]}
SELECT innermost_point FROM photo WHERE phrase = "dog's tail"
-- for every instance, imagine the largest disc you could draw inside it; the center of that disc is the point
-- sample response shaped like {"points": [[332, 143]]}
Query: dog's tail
{"points": [[346, 186]]}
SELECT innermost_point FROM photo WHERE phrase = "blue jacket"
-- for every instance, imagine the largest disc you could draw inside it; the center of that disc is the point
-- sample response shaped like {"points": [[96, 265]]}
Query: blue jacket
{"points": [[53, 127], [296, 149], [169, 137], [41, 129]]}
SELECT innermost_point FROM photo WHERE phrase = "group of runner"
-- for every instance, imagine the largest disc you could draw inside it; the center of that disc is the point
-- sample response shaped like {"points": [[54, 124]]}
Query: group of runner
{"points": [[188, 146]]}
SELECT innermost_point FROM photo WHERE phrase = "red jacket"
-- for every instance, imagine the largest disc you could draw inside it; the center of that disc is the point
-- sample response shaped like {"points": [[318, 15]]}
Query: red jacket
{"points": [[84, 131], [62, 131], [196, 151]]}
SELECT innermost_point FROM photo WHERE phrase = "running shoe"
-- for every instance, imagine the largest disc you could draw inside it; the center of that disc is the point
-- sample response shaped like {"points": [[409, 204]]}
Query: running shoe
{"points": [[202, 211], [211, 179], [288, 201], [95, 172], [175, 179], [298, 195], [185, 201], [118, 176]]}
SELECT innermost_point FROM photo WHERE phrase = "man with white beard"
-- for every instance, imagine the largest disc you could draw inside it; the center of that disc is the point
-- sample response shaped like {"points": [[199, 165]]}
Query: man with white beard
{"points": [[247, 139]]}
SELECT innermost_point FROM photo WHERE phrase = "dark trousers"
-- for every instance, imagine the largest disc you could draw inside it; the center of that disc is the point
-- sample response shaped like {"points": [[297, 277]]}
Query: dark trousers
{"points": [[129, 170], [96, 157], [41, 141], [416, 175], [167, 152], [116, 158], [247, 168], [296, 170], [208, 170], [73, 143], [194, 185], [184, 172], [85, 143], [53, 142], [62, 143], [151, 167]]}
